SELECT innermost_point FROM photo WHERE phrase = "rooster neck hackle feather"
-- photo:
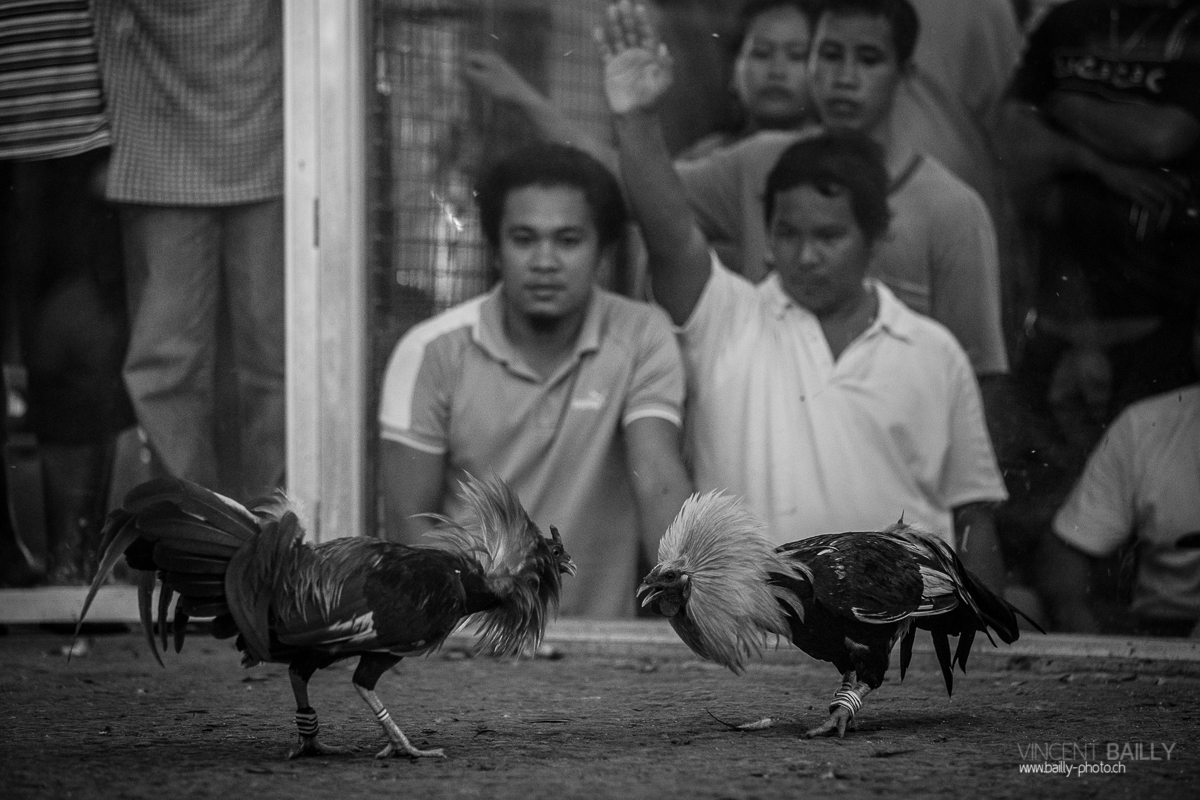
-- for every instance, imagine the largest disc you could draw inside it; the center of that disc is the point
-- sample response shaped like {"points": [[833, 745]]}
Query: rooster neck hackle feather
{"points": [[516, 563], [731, 605]]}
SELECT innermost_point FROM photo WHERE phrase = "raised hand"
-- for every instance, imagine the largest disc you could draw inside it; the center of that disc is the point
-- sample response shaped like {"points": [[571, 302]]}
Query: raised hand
{"points": [[638, 70], [490, 73]]}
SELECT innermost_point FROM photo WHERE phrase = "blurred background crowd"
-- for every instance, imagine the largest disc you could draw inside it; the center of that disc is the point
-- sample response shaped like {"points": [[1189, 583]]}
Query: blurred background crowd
{"points": [[141, 180]]}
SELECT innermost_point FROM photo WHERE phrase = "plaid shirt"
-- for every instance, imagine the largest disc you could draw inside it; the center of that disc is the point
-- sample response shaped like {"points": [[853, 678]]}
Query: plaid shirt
{"points": [[196, 100], [51, 103]]}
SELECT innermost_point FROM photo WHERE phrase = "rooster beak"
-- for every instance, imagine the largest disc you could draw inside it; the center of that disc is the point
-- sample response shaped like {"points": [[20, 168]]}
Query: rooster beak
{"points": [[651, 590], [568, 567]]}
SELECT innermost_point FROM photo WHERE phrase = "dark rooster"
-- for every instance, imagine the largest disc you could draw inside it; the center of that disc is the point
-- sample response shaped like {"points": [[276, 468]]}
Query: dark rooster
{"points": [[845, 598], [309, 606]]}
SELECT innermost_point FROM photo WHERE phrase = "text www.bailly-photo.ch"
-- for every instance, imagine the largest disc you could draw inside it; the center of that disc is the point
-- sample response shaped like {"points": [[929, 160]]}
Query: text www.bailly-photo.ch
{"points": [[1089, 758]]}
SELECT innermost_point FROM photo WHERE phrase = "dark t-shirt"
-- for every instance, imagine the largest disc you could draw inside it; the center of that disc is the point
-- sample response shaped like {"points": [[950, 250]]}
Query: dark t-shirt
{"points": [[1118, 51], [1127, 53]]}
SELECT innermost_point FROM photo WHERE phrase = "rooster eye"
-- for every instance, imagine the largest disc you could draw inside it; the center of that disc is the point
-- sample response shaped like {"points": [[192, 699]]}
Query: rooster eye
{"points": [[670, 575]]}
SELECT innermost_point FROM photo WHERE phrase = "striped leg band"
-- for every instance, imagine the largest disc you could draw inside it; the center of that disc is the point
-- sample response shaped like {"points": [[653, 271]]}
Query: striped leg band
{"points": [[306, 722], [848, 699]]}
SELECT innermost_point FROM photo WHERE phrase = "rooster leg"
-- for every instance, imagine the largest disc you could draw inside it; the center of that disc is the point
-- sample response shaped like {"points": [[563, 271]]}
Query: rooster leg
{"points": [[370, 667], [846, 703], [306, 717]]}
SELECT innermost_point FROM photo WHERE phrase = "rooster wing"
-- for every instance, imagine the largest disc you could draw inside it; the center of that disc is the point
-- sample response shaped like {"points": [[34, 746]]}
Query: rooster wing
{"points": [[857, 589]]}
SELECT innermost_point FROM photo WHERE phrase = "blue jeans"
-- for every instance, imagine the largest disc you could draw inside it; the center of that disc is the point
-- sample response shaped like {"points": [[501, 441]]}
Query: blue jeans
{"points": [[179, 262]]}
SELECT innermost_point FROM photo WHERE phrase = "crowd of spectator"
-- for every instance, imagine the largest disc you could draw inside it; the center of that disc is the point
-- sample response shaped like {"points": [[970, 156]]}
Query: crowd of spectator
{"points": [[944, 265]]}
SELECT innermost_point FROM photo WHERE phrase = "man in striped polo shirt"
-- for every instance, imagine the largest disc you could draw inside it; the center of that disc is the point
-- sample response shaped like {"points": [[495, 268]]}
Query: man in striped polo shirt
{"points": [[572, 394]]}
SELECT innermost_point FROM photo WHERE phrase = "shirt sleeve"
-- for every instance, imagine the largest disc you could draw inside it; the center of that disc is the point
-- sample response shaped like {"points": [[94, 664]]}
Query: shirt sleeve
{"points": [[724, 308], [657, 384], [414, 404], [970, 473], [1098, 515], [965, 278]]}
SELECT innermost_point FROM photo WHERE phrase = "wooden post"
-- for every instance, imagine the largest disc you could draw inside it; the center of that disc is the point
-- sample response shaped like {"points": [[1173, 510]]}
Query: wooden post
{"points": [[325, 58]]}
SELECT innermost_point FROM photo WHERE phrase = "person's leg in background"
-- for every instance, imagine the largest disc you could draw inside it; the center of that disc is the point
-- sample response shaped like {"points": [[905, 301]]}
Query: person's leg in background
{"points": [[253, 250], [172, 259], [16, 567], [64, 249]]}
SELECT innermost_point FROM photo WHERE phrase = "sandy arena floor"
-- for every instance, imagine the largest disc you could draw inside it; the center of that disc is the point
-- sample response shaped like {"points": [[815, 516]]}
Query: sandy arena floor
{"points": [[599, 722]]}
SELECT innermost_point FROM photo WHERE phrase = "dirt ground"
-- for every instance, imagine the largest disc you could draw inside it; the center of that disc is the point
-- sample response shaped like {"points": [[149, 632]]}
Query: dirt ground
{"points": [[592, 724]]}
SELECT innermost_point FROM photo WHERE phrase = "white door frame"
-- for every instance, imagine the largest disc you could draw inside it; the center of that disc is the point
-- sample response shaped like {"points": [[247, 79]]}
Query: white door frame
{"points": [[326, 57]]}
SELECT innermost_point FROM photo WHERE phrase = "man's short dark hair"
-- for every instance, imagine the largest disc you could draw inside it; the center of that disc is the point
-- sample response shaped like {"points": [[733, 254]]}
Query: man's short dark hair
{"points": [[752, 9], [833, 163], [549, 165], [900, 14]]}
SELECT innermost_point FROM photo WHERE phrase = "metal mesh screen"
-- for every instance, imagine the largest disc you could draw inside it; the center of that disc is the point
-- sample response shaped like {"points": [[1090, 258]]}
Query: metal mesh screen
{"points": [[435, 134], [431, 136]]}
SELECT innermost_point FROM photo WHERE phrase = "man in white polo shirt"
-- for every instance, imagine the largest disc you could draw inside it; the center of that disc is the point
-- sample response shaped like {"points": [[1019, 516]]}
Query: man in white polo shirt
{"points": [[1138, 490], [572, 394], [816, 395]]}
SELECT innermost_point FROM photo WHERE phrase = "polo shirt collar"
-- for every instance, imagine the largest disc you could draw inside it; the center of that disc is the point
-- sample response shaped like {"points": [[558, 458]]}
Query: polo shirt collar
{"points": [[893, 317], [488, 333]]}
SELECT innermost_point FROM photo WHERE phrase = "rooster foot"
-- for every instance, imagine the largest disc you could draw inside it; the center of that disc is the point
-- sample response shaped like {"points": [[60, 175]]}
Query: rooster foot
{"points": [[309, 746], [839, 718], [404, 748]]}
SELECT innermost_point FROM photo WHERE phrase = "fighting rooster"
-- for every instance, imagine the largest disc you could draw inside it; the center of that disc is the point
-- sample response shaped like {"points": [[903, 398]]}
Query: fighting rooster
{"points": [[845, 598], [309, 606]]}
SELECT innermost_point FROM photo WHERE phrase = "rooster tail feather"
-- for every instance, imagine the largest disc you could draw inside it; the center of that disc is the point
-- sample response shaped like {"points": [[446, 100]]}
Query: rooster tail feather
{"points": [[994, 611], [146, 581], [941, 646], [255, 573], [207, 549], [965, 639], [220, 512], [164, 602], [117, 535], [170, 523], [1029, 619], [179, 627], [906, 646]]}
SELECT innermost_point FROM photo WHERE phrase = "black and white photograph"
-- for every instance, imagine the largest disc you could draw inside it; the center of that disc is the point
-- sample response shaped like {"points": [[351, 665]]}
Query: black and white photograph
{"points": [[715, 399]]}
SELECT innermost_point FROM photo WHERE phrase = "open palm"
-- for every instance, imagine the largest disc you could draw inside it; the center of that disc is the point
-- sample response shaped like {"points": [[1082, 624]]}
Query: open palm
{"points": [[637, 67]]}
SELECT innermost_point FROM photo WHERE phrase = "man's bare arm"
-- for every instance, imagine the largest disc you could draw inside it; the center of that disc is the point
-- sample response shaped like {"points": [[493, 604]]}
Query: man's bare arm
{"points": [[413, 483], [1138, 133], [637, 72], [495, 77], [660, 480], [1064, 577], [1035, 152], [978, 545]]}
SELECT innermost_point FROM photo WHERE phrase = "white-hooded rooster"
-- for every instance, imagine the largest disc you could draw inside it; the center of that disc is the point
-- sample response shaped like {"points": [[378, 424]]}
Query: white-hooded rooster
{"points": [[844, 598]]}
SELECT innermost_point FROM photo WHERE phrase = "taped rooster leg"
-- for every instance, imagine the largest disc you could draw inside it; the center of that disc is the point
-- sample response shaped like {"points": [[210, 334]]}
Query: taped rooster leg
{"points": [[370, 667], [306, 717], [846, 703]]}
